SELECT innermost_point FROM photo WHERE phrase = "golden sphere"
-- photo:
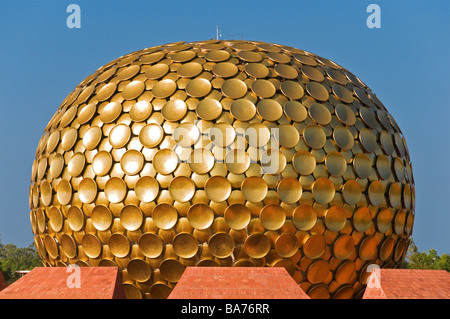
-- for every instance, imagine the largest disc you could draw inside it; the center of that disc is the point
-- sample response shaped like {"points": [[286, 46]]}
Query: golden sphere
{"points": [[223, 153]]}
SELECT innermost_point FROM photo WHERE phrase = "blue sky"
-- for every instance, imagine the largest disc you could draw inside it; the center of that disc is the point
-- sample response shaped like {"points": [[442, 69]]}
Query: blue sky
{"points": [[406, 63]]}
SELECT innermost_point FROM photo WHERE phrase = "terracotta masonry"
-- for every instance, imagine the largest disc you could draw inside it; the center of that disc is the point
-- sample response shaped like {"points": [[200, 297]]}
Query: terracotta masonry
{"points": [[408, 284], [237, 283], [65, 283]]}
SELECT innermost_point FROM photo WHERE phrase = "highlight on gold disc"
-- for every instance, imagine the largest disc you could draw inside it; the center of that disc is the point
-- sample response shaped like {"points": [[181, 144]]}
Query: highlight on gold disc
{"points": [[223, 153]]}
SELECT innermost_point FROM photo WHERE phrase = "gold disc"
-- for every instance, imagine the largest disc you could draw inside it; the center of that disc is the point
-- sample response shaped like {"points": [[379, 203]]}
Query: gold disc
{"points": [[257, 245], [304, 162], [106, 92], [200, 216], [237, 161], [101, 217], [362, 219], [55, 218], [287, 135], [185, 245], [102, 163], [362, 165], [115, 189], [163, 88], [237, 216], [314, 136], [165, 161], [344, 247], [171, 270], [91, 245], [146, 189], [64, 192], [221, 245], [218, 188], [132, 162], [198, 87], [345, 114], [250, 56], [234, 88], [174, 110], [225, 69], [317, 91], [131, 217], [242, 110], [318, 271], [292, 90], [75, 218], [110, 112], [335, 163], [209, 109], [387, 249], [222, 134], [376, 193], [263, 88], [395, 195], [335, 218], [312, 73], [139, 270], [368, 249], [269, 110], [156, 71], [286, 245], [182, 189], [151, 135], [141, 111], [257, 134], [295, 111], [119, 245], [69, 138], [342, 93], [383, 166], [92, 137], [368, 140], [351, 191], [87, 190], [384, 220], [164, 216], [46, 192], [272, 216], [314, 246], [319, 113], [68, 246], [289, 190], [190, 70], [343, 138], [51, 246], [150, 245], [133, 89], [201, 161], [304, 217], [346, 273], [217, 55], [286, 71], [254, 189], [256, 70], [323, 190], [76, 164], [56, 165], [119, 135]]}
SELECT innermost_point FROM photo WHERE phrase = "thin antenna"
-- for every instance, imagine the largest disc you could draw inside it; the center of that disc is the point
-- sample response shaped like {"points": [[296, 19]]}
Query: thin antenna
{"points": [[218, 33]]}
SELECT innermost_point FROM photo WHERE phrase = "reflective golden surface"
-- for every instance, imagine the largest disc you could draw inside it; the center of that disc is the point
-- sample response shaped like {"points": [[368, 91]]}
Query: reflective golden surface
{"points": [[223, 153]]}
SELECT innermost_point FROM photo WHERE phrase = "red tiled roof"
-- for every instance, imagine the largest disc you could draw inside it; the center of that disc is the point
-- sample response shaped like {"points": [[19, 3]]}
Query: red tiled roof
{"points": [[408, 284], [67, 283], [3, 283], [237, 283]]}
